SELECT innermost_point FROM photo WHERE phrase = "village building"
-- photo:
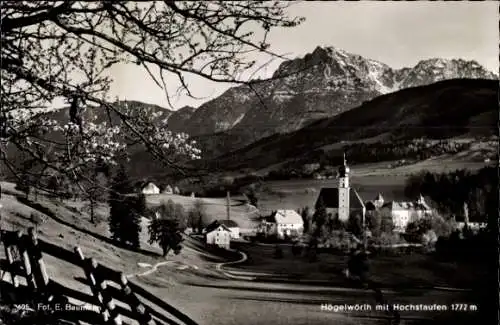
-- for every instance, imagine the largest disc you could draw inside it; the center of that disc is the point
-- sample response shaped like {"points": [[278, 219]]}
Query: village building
{"points": [[473, 223], [168, 190], [283, 224], [403, 213], [176, 190], [343, 200], [218, 235], [374, 205], [229, 224], [150, 188]]}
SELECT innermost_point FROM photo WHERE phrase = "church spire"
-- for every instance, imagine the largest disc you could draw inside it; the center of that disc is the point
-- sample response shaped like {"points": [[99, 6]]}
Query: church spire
{"points": [[344, 174]]}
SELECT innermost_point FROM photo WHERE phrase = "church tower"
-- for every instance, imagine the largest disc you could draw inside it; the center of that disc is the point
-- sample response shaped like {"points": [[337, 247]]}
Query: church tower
{"points": [[344, 191]]}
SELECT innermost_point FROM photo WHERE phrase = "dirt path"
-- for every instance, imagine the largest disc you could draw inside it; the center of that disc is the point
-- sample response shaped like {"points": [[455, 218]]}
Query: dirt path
{"points": [[153, 269], [243, 258]]}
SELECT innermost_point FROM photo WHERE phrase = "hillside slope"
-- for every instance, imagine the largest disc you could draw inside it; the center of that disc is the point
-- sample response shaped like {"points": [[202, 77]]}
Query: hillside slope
{"points": [[445, 109]]}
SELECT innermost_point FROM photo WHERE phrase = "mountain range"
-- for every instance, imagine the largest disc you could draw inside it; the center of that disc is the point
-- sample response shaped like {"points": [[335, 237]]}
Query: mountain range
{"points": [[315, 88], [442, 110], [321, 84]]}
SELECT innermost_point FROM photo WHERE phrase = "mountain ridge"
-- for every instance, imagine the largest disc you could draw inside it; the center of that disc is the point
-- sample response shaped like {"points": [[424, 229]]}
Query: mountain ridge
{"points": [[444, 109]]}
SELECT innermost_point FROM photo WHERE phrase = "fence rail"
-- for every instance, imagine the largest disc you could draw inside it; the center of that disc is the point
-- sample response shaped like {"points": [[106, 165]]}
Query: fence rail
{"points": [[110, 289]]}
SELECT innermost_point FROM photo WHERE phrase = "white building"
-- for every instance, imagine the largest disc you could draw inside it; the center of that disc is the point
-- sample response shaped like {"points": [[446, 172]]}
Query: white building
{"points": [[168, 190], [219, 236], [229, 224], [403, 213], [150, 188], [342, 200], [283, 223]]}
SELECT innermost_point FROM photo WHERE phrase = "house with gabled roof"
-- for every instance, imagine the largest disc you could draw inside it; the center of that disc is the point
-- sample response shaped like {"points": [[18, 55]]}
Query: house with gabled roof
{"points": [[283, 224], [218, 234], [168, 189], [150, 188], [403, 213], [230, 224]]}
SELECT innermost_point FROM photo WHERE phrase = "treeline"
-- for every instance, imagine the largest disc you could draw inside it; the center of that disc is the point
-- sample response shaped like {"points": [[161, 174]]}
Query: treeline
{"points": [[451, 190], [216, 187], [324, 163], [127, 207], [417, 149]]}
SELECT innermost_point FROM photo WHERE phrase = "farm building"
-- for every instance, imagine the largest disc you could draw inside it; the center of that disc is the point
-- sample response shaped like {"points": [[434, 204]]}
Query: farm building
{"points": [[343, 200], [283, 224], [403, 213], [230, 224], [150, 188], [168, 190], [218, 235]]}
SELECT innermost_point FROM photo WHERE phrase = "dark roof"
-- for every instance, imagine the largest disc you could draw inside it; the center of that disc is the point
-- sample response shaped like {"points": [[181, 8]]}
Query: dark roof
{"points": [[370, 205], [393, 205], [228, 223], [285, 217], [214, 225], [330, 197]]}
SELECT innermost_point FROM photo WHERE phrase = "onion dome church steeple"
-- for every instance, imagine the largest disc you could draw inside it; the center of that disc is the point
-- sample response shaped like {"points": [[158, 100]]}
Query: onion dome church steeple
{"points": [[344, 175], [344, 169]]}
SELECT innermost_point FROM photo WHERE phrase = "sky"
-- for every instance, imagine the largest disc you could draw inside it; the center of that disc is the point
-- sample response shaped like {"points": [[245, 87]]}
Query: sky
{"points": [[396, 33]]}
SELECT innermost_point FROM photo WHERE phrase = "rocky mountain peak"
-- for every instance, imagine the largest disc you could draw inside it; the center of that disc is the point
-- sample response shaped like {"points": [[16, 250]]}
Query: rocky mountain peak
{"points": [[323, 83]]}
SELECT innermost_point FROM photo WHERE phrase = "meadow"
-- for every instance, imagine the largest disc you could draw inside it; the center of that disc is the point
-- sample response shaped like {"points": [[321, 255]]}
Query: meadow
{"points": [[214, 208], [403, 270]]}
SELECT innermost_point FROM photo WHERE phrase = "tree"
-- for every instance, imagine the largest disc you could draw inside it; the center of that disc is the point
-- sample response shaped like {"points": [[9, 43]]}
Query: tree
{"points": [[118, 207], [386, 222], [319, 218], [23, 184], [251, 194], [197, 216], [305, 214], [355, 224], [166, 229], [65, 50], [94, 186], [374, 222], [278, 252], [130, 226]]}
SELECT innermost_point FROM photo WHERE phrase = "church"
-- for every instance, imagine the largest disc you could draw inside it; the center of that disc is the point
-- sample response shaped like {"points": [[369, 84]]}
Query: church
{"points": [[342, 200]]}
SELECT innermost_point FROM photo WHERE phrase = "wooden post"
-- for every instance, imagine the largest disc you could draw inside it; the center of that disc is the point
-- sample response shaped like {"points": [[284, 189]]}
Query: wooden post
{"points": [[98, 288], [145, 317], [7, 243], [23, 252], [365, 239], [39, 269], [228, 203]]}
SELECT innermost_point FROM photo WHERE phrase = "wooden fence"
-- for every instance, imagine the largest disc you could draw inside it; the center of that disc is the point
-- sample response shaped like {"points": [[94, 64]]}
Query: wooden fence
{"points": [[53, 303]]}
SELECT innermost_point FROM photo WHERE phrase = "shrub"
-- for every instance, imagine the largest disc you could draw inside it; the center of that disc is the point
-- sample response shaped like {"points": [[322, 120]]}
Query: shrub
{"points": [[278, 252]]}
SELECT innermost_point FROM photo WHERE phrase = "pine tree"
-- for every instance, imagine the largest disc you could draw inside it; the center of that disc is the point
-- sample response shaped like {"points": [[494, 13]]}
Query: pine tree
{"points": [[304, 213], [131, 224], [166, 229], [319, 217], [117, 202], [196, 216]]}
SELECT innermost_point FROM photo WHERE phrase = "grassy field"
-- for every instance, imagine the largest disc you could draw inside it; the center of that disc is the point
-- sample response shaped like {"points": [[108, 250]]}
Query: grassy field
{"points": [[411, 270], [214, 208]]}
